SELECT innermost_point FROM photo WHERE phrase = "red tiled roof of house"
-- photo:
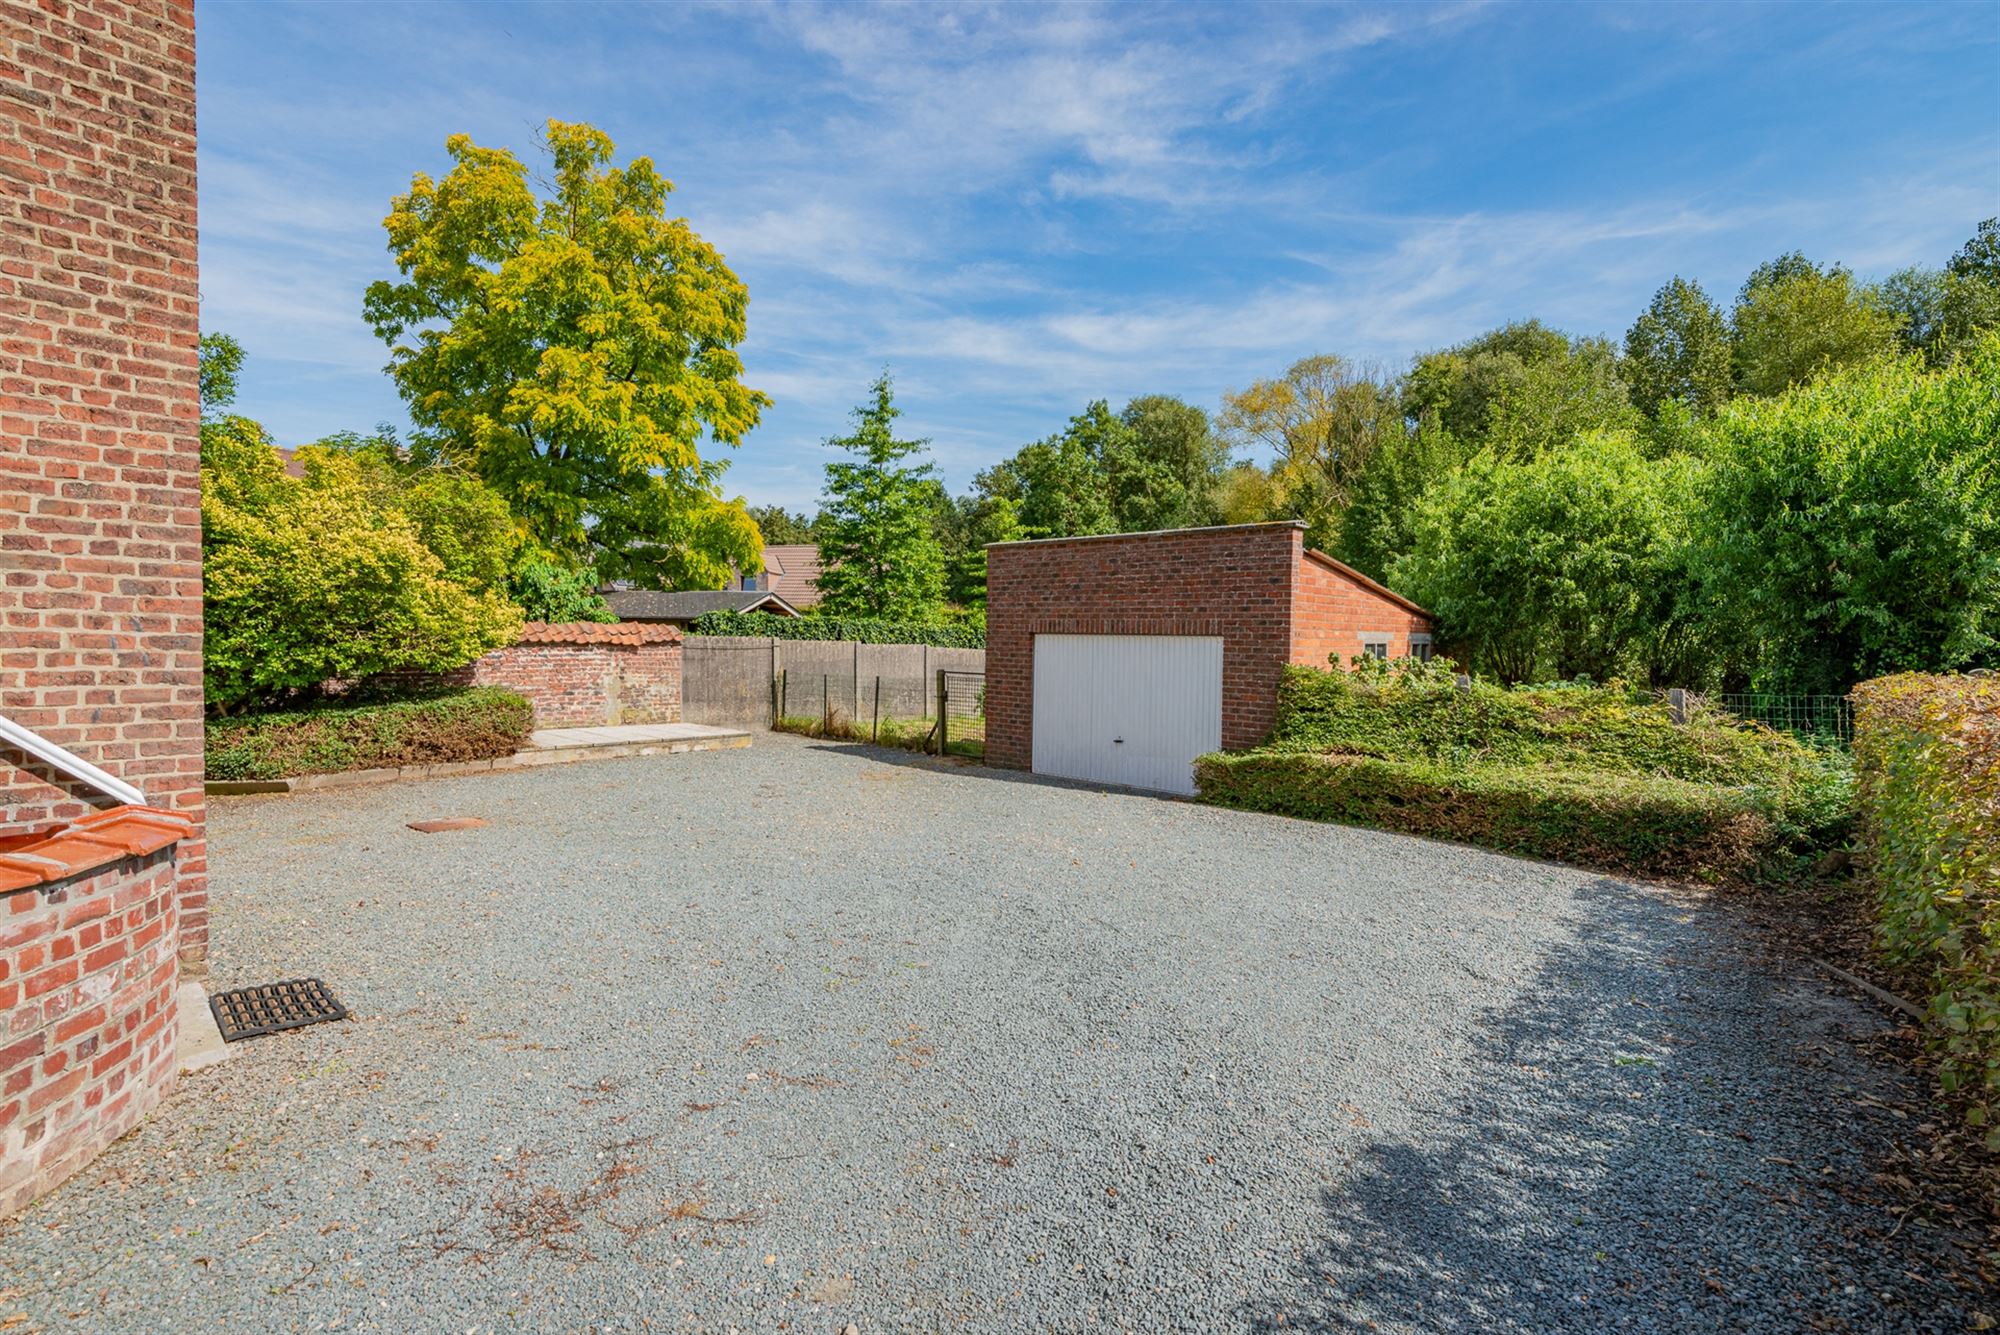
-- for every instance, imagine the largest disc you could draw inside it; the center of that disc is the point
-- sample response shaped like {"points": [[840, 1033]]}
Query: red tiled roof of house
{"points": [[597, 632], [793, 571]]}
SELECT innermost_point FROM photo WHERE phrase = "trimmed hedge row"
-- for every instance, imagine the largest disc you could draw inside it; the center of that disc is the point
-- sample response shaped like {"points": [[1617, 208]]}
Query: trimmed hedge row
{"points": [[838, 628], [1928, 752], [475, 723], [1405, 711], [1625, 823], [1596, 775]]}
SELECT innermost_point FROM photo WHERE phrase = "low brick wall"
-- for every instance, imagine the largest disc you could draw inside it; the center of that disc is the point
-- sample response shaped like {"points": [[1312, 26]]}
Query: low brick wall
{"points": [[89, 961], [584, 674]]}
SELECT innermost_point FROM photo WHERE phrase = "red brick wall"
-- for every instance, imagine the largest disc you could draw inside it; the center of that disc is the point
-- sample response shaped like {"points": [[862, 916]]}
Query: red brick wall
{"points": [[1252, 584], [1332, 610], [100, 528], [88, 970], [584, 675], [1232, 582]]}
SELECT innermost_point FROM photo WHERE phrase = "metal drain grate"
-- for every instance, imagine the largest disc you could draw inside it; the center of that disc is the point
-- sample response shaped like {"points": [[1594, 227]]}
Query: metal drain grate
{"points": [[247, 1012]]}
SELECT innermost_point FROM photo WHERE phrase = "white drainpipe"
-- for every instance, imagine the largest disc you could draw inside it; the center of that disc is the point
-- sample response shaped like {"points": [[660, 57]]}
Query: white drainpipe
{"points": [[14, 735]]}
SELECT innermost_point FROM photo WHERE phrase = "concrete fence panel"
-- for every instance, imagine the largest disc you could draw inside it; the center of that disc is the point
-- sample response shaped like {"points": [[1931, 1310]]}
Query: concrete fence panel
{"points": [[728, 679]]}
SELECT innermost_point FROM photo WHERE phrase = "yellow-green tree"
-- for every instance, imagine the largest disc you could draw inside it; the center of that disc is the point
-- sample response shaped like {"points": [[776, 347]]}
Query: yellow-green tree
{"points": [[331, 576], [574, 351]]}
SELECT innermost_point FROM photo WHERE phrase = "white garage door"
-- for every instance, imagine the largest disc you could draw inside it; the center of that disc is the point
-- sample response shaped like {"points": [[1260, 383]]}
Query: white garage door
{"points": [[1127, 709]]}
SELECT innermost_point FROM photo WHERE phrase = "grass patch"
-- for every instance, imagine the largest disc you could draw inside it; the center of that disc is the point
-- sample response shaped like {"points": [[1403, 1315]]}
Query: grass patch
{"points": [[475, 723], [1600, 776], [968, 735]]}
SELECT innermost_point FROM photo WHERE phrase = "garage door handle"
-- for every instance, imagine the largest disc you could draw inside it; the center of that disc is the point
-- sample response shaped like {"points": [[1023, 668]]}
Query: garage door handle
{"points": [[1118, 741]]}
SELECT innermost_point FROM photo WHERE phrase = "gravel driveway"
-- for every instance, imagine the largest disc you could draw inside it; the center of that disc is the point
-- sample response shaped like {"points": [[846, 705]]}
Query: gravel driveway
{"points": [[803, 1035]]}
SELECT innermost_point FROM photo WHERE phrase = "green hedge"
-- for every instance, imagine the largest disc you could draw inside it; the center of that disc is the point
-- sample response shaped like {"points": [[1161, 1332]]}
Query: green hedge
{"points": [[1629, 824], [1928, 751], [839, 628], [1417, 711], [1596, 775], [478, 723]]}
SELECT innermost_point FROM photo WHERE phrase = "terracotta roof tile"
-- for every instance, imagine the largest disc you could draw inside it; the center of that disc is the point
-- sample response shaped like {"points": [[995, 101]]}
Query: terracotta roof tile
{"points": [[597, 632], [93, 842], [793, 568]]}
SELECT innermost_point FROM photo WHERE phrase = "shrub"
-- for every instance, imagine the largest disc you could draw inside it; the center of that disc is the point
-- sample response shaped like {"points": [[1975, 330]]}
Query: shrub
{"points": [[558, 594], [1599, 775], [1928, 751], [1416, 711], [1850, 528], [1625, 823], [1553, 564], [329, 576], [477, 723], [962, 636]]}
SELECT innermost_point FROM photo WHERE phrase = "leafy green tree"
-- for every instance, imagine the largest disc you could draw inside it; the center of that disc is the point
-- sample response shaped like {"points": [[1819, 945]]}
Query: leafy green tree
{"points": [[1521, 390], [1794, 320], [1851, 527], [1548, 566], [878, 549], [1246, 493], [1321, 421], [1174, 438], [221, 360], [559, 594], [1943, 313], [1061, 483], [982, 519], [1679, 350], [777, 524], [1380, 523], [1979, 258], [572, 351]]}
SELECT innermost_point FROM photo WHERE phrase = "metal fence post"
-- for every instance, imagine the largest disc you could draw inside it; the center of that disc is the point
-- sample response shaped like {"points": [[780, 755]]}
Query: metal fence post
{"points": [[944, 726], [875, 732], [825, 707]]}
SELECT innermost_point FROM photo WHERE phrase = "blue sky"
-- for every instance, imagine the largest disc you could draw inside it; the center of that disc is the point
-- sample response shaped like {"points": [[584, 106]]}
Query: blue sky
{"points": [[1021, 208]]}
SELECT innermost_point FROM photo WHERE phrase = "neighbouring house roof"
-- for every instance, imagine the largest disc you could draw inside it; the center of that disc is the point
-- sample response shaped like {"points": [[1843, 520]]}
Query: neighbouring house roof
{"points": [[681, 608], [597, 632], [792, 569], [1379, 590], [290, 455]]}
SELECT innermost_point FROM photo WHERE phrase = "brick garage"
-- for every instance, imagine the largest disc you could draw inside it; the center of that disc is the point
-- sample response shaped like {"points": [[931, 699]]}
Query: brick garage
{"points": [[1252, 586], [100, 567], [587, 674]]}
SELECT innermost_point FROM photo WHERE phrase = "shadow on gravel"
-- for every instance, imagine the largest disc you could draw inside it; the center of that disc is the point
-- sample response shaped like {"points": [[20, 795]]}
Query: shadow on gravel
{"points": [[1659, 1135]]}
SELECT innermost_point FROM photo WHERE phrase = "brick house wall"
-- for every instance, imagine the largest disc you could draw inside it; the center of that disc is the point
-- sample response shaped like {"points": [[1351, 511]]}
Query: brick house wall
{"points": [[584, 674], [1335, 609], [100, 524], [1255, 585]]}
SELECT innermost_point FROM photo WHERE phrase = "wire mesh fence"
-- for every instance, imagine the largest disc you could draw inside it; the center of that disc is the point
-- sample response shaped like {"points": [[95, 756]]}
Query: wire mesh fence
{"points": [[1822, 717], [961, 713], [944, 715]]}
